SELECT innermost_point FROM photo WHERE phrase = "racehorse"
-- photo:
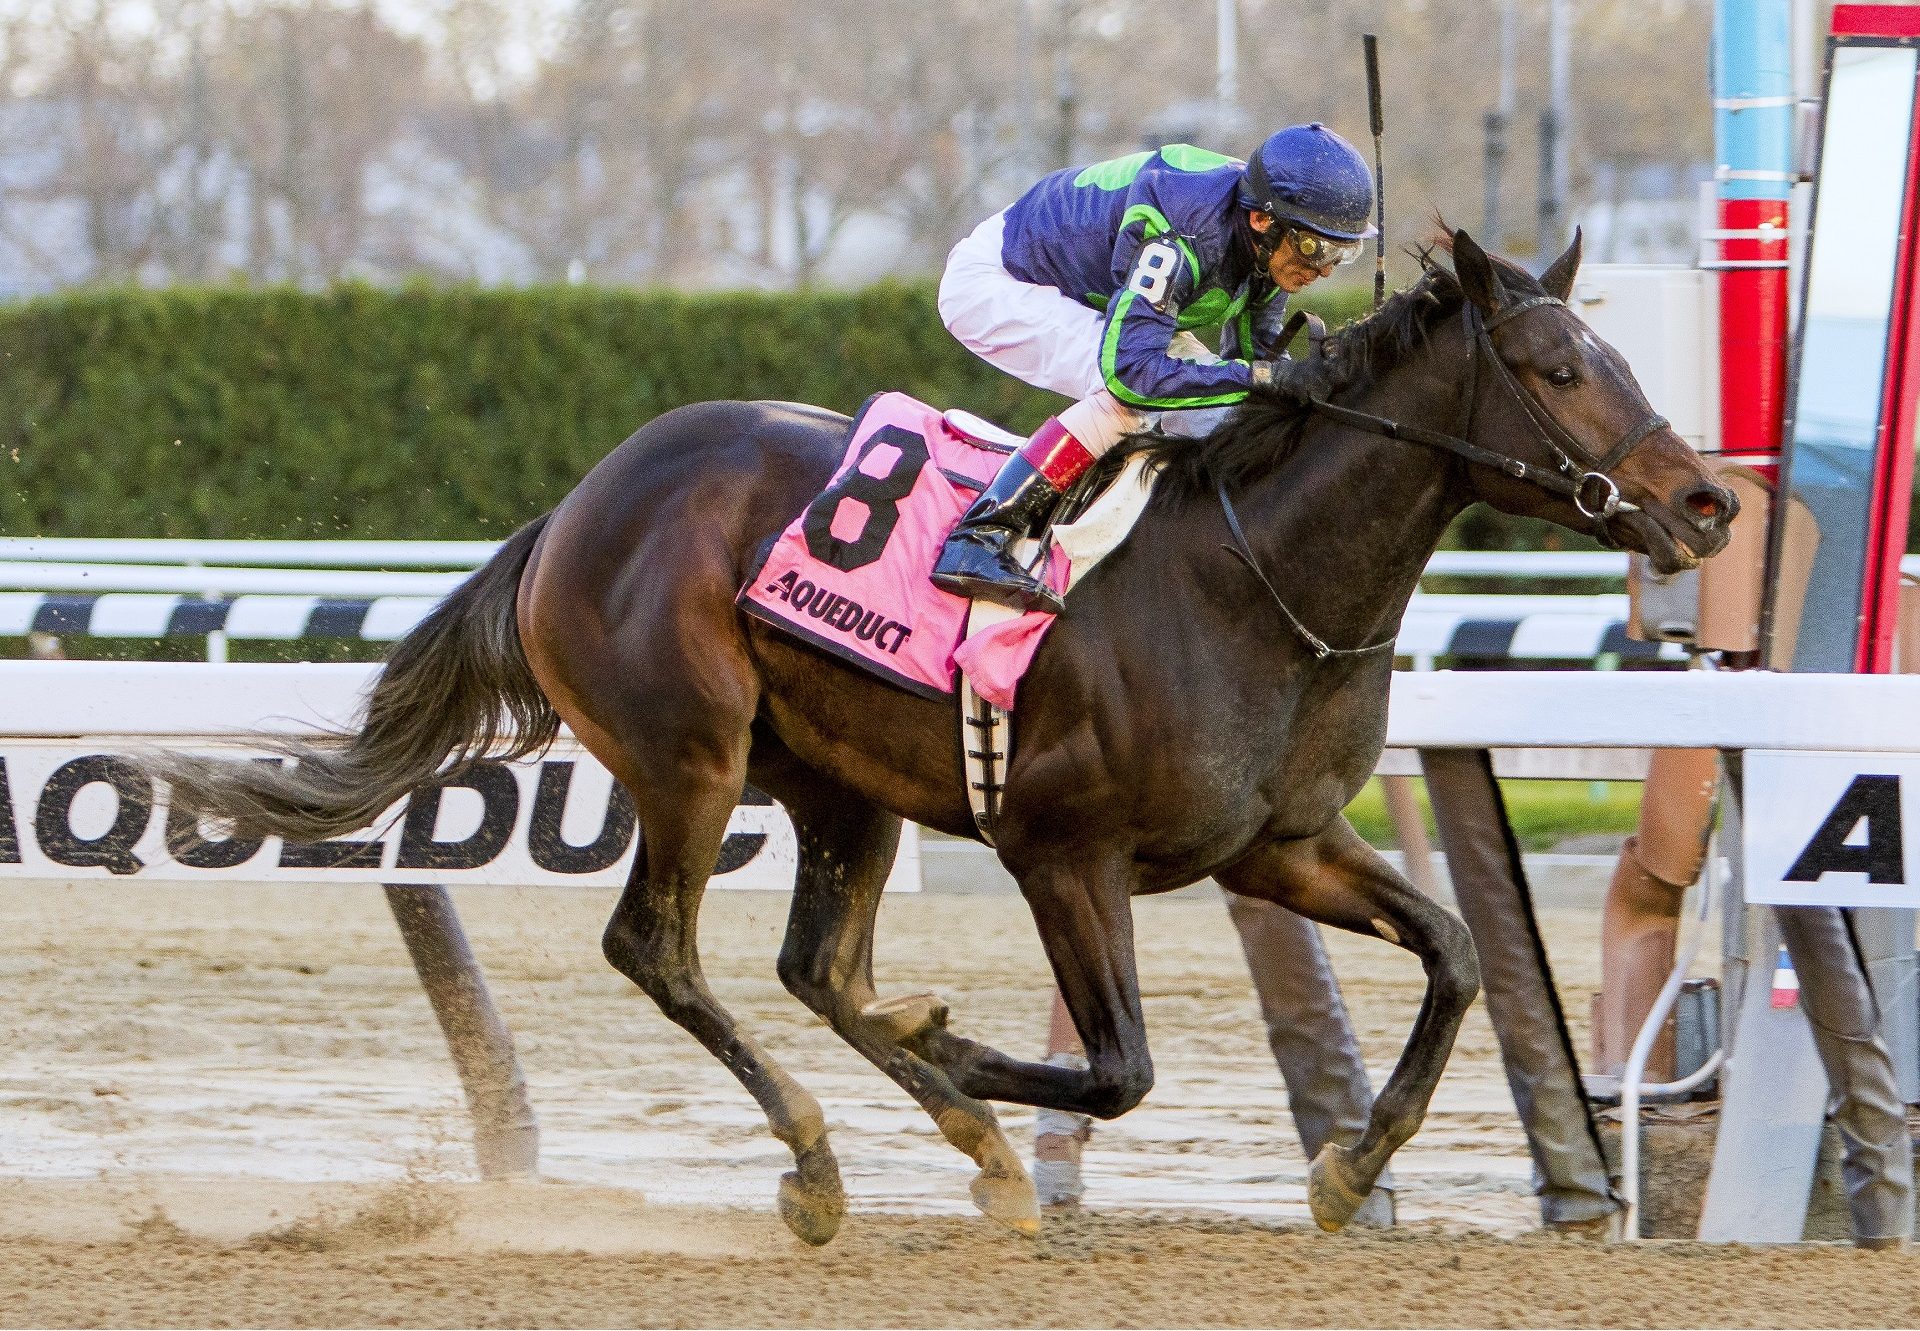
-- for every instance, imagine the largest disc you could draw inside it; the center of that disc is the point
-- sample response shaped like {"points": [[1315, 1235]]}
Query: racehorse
{"points": [[1213, 697]]}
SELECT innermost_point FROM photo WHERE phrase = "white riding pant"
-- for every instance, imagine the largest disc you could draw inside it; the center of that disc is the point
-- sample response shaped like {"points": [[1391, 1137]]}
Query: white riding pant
{"points": [[1038, 336]]}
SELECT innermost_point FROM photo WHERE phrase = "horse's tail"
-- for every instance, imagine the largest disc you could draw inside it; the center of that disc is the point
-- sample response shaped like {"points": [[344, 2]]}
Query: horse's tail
{"points": [[454, 691]]}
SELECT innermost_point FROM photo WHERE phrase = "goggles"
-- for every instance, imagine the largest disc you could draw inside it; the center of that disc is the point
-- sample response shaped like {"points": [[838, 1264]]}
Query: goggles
{"points": [[1323, 251]]}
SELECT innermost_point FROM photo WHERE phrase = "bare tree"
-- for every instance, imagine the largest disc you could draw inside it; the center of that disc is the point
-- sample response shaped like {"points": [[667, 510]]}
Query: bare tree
{"points": [[99, 77], [763, 142], [317, 93], [958, 122]]}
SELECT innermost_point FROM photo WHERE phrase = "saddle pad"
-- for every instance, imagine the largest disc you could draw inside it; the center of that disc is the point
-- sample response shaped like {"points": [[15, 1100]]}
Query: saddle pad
{"points": [[998, 651], [849, 575]]}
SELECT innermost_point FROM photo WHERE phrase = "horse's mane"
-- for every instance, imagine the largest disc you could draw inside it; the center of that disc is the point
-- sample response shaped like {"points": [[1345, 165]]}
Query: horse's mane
{"points": [[1261, 433]]}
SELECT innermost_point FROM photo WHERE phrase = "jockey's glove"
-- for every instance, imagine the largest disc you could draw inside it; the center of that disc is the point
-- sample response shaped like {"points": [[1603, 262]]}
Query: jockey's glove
{"points": [[1300, 380]]}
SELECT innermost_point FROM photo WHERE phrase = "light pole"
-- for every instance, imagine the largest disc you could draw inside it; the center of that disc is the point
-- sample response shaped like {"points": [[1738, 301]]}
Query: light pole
{"points": [[1029, 151], [1499, 124], [1555, 129], [1226, 82], [1063, 95]]}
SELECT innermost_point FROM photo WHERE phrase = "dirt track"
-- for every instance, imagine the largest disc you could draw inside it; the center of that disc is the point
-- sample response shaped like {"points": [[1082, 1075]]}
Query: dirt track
{"points": [[231, 1106], [1098, 1270]]}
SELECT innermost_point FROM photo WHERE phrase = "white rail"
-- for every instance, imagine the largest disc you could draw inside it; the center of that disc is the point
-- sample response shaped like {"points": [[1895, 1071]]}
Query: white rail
{"points": [[1553, 564], [1690, 709], [1435, 709], [1520, 628], [1584, 564]]}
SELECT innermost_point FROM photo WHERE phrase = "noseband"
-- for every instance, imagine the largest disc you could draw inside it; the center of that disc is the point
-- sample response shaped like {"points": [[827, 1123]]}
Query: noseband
{"points": [[1577, 476]]}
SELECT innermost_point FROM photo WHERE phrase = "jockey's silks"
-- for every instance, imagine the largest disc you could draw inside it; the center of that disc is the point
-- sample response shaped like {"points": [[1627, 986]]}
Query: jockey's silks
{"points": [[1158, 240]]}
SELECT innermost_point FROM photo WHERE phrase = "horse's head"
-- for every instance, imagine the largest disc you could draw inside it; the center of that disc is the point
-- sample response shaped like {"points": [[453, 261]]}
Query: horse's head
{"points": [[1549, 394]]}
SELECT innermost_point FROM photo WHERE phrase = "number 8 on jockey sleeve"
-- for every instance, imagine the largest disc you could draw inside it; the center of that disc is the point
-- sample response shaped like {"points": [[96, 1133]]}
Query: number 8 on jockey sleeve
{"points": [[1083, 283]]}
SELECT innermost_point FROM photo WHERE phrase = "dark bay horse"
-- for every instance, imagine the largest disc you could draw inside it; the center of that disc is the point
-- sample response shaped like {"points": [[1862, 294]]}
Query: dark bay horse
{"points": [[1179, 721]]}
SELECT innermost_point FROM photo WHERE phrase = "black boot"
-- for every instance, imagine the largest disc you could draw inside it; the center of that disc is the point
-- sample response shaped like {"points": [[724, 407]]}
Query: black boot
{"points": [[976, 560]]}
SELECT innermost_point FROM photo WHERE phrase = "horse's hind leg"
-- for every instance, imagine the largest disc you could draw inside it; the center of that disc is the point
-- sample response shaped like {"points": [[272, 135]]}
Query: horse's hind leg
{"points": [[846, 849], [1080, 897], [1338, 879], [653, 940]]}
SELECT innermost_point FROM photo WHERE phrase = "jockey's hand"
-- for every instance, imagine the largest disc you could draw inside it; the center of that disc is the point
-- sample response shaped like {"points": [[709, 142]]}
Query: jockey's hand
{"points": [[1300, 380]]}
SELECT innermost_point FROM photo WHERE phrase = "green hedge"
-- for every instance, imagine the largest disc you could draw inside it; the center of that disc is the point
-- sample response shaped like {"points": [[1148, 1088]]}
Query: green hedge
{"points": [[422, 412]]}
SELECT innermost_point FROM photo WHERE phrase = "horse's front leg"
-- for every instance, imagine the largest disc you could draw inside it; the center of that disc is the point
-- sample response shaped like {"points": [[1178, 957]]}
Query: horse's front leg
{"points": [[1084, 913], [1338, 879]]}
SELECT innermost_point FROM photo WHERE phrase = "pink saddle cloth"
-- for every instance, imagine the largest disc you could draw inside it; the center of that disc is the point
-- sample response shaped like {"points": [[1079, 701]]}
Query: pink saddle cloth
{"points": [[849, 575]]}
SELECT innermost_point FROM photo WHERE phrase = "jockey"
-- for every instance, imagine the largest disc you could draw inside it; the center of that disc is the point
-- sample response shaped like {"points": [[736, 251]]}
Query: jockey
{"points": [[1088, 283]]}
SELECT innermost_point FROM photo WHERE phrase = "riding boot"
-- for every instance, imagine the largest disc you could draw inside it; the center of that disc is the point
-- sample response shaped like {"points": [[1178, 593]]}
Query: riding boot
{"points": [[977, 560]]}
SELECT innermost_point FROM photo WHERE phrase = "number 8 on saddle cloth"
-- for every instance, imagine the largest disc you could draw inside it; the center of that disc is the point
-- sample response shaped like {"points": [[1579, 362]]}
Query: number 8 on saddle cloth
{"points": [[849, 574]]}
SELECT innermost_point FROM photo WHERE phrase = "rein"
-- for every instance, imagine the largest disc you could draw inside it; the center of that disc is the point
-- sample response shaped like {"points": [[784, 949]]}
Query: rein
{"points": [[1577, 475]]}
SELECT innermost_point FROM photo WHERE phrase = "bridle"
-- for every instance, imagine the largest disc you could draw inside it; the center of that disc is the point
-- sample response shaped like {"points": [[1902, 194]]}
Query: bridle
{"points": [[1577, 475]]}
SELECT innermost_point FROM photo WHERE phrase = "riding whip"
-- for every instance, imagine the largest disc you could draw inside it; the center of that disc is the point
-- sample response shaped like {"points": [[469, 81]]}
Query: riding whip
{"points": [[1371, 44]]}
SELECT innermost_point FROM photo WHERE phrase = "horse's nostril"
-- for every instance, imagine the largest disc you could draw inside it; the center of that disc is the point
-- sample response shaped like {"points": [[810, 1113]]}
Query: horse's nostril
{"points": [[1710, 505]]}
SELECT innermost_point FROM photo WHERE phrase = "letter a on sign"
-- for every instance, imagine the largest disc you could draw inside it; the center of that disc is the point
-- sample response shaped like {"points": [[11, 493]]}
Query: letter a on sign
{"points": [[1829, 828], [1871, 804]]}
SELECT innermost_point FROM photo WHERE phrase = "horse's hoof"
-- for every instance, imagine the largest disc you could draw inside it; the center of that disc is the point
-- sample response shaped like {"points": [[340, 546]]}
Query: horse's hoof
{"points": [[1333, 1191], [812, 1202], [1008, 1198], [900, 1019]]}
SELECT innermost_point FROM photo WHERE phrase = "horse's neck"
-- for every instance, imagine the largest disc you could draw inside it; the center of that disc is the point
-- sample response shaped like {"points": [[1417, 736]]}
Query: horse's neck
{"points": [[1347, 525]]}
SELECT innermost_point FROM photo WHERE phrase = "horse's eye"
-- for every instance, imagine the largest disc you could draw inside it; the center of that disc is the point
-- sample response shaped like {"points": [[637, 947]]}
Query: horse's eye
{"points": [[1561, 376]]}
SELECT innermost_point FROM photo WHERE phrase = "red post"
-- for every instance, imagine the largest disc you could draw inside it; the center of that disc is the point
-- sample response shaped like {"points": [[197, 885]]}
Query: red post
{"points": [[1753, 332]]}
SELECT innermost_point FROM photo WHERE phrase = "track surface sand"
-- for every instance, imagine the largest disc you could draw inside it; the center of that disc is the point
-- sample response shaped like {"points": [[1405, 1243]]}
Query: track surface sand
{"points": [[231, 1106]]}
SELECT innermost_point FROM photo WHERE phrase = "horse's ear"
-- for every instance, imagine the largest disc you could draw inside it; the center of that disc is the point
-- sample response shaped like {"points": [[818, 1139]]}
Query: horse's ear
{"points": [[1558, 279], [1478, 281]]}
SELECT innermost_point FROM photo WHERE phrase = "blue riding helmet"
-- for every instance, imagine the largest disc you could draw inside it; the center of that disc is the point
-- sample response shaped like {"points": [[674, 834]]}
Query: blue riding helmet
{"points": [[1311, 177]]}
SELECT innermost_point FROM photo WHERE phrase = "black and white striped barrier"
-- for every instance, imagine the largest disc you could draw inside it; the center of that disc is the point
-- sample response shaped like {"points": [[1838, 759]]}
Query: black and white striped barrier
{"points": [[243, 618], [1481, 628]]}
